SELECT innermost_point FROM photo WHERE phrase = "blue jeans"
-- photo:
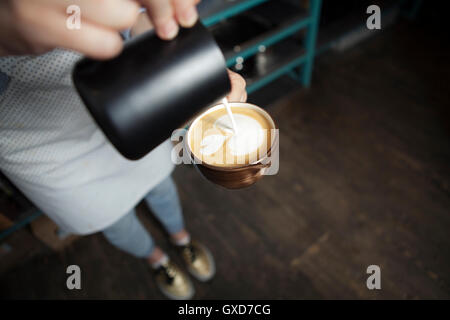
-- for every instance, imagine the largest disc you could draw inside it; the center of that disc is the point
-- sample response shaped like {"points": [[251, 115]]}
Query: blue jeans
{"points": [[129, 235]]}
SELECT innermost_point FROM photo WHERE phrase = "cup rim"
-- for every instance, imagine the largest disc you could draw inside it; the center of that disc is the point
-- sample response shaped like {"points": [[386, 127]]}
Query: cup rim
{"points": [[197, 161]]}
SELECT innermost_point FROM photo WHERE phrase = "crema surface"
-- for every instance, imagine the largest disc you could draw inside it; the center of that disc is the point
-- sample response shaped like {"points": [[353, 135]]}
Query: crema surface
{"points": [[214, 142]]}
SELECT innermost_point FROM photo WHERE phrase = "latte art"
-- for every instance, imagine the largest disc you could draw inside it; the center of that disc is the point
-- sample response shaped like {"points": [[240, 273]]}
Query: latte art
{"points": [[213, 140], [249, 137]]}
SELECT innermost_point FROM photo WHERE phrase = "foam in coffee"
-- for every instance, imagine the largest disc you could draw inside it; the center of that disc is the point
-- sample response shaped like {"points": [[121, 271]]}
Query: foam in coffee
{"points": [[214, 141]]}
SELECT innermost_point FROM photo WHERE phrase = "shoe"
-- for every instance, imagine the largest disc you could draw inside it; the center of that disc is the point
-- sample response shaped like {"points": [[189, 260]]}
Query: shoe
{"points": [[173, 282], [199, 260]]}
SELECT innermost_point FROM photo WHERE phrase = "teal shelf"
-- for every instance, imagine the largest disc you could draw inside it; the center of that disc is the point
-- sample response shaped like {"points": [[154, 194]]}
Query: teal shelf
{"points": [[277, 72], [252, 47], [29, 216], [308, 19], [219, 10]]}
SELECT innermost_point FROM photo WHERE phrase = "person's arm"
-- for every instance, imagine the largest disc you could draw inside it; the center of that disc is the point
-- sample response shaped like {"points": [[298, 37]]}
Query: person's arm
{"points": [[36, 26]]}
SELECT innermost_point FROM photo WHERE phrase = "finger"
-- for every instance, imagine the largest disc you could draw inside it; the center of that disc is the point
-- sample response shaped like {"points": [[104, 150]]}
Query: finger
{"points": [[93, 41], [237, 87], [185, 12], [114, 14], [244, 97], [49, 29], [162, 16]]}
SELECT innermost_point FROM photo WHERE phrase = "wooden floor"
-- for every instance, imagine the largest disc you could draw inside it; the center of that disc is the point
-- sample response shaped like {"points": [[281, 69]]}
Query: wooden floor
{"points": [[364, 180]]}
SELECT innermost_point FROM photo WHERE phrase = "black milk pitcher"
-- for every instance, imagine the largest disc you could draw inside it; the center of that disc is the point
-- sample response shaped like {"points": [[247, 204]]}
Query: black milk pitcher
{"points": [[152, 87]]}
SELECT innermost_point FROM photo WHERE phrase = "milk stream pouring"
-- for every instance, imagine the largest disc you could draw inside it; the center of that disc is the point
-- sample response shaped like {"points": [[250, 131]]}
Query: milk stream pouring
{"points": [[230, 114]]}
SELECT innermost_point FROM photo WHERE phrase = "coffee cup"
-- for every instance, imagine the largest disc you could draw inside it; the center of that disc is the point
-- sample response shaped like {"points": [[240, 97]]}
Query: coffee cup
{"points": [[229, 159]]}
